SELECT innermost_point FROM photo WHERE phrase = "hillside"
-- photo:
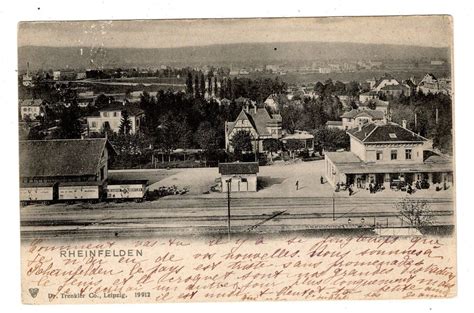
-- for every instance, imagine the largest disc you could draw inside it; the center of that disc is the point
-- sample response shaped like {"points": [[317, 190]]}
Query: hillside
{"points": [[63, 57]]}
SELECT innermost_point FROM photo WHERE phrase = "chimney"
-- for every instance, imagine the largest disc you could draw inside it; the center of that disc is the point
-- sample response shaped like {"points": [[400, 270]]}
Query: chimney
{"points": [[360, 127], [255, 109], [404, 123]]}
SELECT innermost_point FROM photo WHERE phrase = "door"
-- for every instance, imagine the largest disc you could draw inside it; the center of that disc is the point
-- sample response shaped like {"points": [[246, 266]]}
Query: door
{"points": [[244, 186]]}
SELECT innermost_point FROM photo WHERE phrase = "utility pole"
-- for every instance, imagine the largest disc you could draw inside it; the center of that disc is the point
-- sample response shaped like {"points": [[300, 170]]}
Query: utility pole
{"points": [[228, 208], [436, 116], [333, 207]]}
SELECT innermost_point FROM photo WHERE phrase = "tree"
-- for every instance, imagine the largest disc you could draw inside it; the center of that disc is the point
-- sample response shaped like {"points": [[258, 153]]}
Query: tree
{"points": [[353, 88], [202, 80], [330, 139], [271, 145], [125, 123], [189, 84], [294, 145], [372, 105], [417, 212], [319, 88], [70, 127], [291, 117], [207, 138], [241, 142], [196, 86]]}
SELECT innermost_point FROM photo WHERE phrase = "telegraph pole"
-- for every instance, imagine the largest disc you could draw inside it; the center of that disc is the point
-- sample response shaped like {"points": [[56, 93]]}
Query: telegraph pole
{"points": [[333, 207], [228, 208]]}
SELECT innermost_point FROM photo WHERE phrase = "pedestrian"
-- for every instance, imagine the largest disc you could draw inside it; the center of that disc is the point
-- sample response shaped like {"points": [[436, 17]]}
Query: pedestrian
{"points": [[338, 187], [297, 185], [371, 188], [322, 180], [350, 190]]}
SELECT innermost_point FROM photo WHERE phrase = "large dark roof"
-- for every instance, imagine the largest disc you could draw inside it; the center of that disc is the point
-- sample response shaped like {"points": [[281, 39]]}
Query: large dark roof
{"points": [[258, 117], [390, 132], [132, 110], [31, 102], [238, 168], [68, 157]]}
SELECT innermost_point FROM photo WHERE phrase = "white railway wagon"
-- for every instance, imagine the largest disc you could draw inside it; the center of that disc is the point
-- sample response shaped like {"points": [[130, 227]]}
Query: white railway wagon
{"points": [[126, 189], [37, 192], [79, 191]]}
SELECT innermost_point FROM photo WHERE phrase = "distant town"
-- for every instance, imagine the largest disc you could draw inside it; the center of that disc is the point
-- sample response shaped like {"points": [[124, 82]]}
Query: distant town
{"points": [[348, 128]]}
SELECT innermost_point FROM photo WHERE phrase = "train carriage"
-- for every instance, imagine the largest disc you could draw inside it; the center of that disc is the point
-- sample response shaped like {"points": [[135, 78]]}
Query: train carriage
{"points": [[38, 192], [77, 191], [126, 189]]}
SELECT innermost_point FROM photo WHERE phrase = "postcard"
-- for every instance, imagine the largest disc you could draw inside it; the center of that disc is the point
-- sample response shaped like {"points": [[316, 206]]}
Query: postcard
{"points": [[236, 159]]}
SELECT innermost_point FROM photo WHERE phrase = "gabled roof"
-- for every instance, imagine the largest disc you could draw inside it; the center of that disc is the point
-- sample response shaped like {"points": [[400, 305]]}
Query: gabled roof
{"points": [[375, 114], [238, 168], [273, 97], [132, 110], [386, 133], [31, 102], [242, 100], [381, 79], [64, 157], [258, 118], [394, 87]]}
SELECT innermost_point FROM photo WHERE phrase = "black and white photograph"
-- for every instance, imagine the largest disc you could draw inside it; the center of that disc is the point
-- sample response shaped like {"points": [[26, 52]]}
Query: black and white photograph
{"points": [[242, 159]]}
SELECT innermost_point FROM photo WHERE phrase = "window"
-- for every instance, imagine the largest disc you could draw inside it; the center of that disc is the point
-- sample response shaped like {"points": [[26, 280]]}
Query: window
{"points": [[93, 124], [106, 114], [244, 180], [379, 155], [408, 154], [115, 114], [392, 135], [393, 154]]}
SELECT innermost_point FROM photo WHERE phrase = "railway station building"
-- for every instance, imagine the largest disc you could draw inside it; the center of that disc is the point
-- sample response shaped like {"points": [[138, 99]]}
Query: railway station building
{"points": [[384, 152]]}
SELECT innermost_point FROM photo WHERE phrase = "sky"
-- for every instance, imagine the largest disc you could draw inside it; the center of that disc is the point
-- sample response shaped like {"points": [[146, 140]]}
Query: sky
{"points": [[432, 31]]}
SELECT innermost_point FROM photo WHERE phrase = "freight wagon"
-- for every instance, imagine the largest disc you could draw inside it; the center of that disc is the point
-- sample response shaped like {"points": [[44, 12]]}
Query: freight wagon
{"points": [[126, 190], [80, 191], [38, 192]]}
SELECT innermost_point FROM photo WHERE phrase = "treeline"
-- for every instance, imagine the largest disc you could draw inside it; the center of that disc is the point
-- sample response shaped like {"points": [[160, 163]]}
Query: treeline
{"points": [[198, 85], [330, 88], [428, 115]]}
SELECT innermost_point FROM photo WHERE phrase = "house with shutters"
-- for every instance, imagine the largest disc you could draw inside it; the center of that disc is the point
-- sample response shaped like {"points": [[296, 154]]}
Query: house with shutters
{"points": [[258, 122], [31, 108], [430, 84], [384, 152], [356, 117], [110, 117]]}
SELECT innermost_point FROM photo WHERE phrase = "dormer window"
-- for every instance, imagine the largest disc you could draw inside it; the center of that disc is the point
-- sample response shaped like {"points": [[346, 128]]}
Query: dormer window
{"points": [[392, 135]]}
